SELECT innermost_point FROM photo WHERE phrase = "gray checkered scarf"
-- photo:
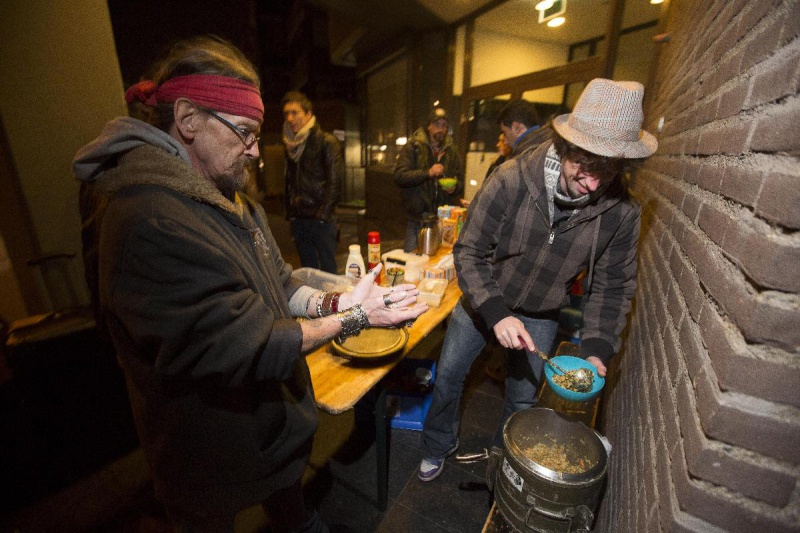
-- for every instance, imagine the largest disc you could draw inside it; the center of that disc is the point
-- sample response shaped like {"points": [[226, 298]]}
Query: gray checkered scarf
{"points": [[552, 173], [296, 143]]}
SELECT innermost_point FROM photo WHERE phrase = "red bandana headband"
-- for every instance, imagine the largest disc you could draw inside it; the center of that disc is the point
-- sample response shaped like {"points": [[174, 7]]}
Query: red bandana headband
{"points": [[220, 93]]}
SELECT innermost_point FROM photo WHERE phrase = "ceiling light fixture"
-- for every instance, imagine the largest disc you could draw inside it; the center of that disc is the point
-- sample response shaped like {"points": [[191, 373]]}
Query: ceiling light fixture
{"points": [[656, 1], [550, 10], [556, 22]]}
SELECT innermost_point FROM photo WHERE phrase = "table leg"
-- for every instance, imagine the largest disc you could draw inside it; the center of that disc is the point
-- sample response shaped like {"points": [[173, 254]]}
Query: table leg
{"points": [[381, 452]]}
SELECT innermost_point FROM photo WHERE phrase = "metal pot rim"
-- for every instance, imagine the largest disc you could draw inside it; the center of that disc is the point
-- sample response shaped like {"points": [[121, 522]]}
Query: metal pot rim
{"points": [[555, 421]]}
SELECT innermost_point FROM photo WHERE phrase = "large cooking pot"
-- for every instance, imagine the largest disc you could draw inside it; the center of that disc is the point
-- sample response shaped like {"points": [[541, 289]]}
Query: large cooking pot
{"points": [[534, 490]]}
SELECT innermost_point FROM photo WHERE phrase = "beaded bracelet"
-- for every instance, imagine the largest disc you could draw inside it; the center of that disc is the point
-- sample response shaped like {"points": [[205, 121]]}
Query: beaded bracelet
{"points": [[319, 304], [327, 308]]}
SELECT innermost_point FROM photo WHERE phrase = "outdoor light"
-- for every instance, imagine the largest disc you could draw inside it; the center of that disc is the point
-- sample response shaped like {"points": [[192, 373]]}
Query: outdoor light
{"points": [[383, 148], [401, 141], [556, 22]]}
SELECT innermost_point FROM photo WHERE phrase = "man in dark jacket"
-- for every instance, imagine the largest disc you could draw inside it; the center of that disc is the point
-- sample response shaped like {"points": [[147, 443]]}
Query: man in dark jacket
{"points": [[430, 173], [519, 131], [197, 301], [542, 218], [314, 174], [519, 121]]}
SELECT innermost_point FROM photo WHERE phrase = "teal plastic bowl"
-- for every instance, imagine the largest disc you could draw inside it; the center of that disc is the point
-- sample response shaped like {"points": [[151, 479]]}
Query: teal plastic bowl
{"points": [[568, 362]]}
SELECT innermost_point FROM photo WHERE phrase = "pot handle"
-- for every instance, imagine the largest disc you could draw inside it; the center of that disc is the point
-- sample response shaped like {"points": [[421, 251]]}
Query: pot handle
{"points": [[581, 516]]}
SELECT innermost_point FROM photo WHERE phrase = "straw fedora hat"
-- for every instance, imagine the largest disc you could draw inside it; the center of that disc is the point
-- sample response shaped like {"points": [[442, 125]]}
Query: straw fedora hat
{"points": [[607, 120]]}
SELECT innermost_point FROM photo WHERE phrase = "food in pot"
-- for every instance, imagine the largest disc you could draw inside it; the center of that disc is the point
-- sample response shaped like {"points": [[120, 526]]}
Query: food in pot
{"points": [[558, 457]]}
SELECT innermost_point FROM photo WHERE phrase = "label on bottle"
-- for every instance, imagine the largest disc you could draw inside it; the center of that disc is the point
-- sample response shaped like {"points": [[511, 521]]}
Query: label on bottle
{"points": [[354, 270], [373, 254]]}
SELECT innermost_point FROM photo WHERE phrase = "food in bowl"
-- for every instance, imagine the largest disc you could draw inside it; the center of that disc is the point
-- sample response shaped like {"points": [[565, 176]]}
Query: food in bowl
{"points": [[568, 362], [448, 183], [580, 380]]}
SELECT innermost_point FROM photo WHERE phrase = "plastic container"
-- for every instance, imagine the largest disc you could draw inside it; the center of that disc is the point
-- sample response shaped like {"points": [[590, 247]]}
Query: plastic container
{"points": [[374, 252], [411, 263], [354, 268], [322, 280], [431, 291]]}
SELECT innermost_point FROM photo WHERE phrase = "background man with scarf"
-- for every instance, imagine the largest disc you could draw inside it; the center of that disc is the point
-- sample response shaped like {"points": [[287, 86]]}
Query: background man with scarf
{"points": [[314, 174], [429, 155], [192, 290], [542, 218]]}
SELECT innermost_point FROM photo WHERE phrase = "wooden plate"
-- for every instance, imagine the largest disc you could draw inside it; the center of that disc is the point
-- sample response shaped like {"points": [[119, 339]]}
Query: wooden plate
{"points": [[372, 343]]}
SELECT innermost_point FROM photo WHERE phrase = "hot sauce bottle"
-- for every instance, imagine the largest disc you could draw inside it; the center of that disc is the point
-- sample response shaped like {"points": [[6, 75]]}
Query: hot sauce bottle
{"points": [[374, 252]]}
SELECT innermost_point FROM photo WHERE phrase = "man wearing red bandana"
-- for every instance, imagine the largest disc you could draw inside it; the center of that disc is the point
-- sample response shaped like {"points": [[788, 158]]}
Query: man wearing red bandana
{"points": [[190, 287]]}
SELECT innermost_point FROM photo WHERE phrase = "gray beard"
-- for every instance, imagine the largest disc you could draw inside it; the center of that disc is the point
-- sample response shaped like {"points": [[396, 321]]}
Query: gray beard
{"points": [[230, 185]]}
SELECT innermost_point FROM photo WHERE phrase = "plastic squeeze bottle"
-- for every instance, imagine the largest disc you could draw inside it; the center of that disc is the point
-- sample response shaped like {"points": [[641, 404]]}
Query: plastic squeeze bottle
{"points": [[374, 252], [355, 263]]}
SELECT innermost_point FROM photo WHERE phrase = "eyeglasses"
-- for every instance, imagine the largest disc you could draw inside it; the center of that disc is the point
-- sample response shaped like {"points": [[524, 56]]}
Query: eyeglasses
{"points": [[247, 137]]}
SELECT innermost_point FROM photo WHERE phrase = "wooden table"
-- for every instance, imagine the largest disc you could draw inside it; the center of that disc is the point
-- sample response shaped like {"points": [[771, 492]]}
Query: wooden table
{"points": [[339, 383]]}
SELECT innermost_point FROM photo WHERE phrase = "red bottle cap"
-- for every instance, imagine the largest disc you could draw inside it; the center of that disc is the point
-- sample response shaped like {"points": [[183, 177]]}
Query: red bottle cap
{"points": [[373, 237]]}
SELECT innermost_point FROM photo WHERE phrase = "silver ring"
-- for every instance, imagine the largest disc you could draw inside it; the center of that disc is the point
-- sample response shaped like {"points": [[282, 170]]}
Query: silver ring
{"points": [[386, 300]]}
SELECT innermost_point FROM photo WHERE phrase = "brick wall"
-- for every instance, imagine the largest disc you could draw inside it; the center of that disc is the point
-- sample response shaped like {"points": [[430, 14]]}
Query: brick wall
{"points": [[704, 408]]}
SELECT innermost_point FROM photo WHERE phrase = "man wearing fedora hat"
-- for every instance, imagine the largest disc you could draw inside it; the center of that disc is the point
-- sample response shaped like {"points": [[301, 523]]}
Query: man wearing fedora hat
{"points": [[429, 156], [544, 217]]}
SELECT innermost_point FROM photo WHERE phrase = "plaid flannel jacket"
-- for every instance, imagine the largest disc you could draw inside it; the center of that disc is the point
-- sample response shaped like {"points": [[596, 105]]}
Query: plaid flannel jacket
{"points": [[509, 260]]}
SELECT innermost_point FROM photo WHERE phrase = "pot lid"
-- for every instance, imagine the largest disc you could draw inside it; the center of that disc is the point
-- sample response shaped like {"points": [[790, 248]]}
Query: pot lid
{"points": [[555, 447]]}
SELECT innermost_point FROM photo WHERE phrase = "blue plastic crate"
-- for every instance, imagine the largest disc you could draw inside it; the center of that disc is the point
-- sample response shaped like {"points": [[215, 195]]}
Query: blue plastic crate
{"points": [[406, 404]]}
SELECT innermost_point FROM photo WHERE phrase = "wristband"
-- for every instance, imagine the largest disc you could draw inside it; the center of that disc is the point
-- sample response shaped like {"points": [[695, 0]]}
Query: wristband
{"points": [[353, 321], [305, 309]]}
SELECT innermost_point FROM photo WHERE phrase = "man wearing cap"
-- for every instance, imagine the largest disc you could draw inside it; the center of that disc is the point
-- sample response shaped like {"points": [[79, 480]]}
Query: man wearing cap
{"points": [[314, 173], [542, 218], [429, 156], [191, 289]]}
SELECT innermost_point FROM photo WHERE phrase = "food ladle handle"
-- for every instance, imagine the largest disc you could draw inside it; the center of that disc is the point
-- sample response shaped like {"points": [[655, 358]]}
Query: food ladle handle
{"points": [[551, 363]]}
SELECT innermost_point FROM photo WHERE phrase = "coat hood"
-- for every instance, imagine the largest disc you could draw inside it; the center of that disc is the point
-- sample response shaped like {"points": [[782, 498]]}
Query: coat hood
{"points": [[150, 157], [120, 136]]}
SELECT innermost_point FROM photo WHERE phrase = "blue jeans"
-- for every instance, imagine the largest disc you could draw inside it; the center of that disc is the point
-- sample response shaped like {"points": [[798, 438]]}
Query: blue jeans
{"points": [[315, 241], [463, 343], [412, 232]]}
